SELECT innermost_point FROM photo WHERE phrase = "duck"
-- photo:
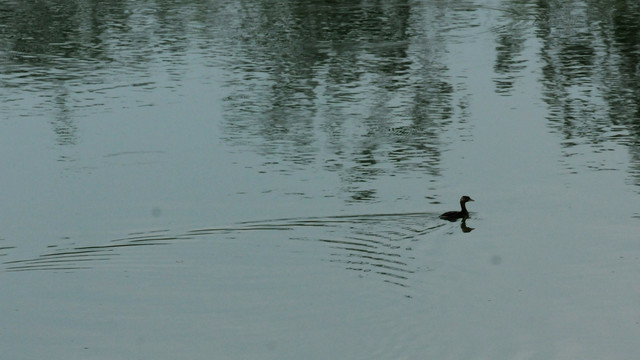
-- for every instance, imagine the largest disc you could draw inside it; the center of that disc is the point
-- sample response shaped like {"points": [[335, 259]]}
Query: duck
{"points": [[455, 215]]}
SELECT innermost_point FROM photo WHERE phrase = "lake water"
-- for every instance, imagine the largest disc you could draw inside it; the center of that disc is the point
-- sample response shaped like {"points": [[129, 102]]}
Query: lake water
{"points": [[263, 179]]}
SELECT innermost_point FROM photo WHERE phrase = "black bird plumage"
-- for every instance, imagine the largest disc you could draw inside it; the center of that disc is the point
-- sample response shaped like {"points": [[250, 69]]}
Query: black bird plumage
{"points": [[455, 215]]}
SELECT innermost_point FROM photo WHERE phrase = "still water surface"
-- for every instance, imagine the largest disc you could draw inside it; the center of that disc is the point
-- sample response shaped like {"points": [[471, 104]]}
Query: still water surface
{"points": [[260, 179]]}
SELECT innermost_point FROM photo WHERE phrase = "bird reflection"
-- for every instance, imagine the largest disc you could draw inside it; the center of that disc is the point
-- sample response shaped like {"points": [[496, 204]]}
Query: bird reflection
{"points": [[464, 227]]}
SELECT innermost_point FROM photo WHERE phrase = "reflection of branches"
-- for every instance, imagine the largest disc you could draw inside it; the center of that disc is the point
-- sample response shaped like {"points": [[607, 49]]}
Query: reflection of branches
{"points": [[356, 74], [591, 73], [516, 21]]}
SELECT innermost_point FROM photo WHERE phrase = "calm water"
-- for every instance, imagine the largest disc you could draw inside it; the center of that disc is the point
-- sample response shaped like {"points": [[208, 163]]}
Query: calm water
{"points": [[262, 179]]}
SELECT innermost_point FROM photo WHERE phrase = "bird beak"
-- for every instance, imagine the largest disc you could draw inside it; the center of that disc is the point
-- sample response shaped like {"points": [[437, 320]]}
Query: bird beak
{"points": [[470, 199]]}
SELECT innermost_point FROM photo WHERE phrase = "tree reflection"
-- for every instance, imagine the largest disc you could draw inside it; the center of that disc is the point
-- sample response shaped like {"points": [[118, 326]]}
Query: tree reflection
{"points": [[510, 39], [591, 72], [370, 77], [351, 77]]}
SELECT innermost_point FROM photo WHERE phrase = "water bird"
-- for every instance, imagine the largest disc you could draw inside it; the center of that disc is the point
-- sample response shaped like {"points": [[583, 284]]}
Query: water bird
{"points": [[455, 215]]}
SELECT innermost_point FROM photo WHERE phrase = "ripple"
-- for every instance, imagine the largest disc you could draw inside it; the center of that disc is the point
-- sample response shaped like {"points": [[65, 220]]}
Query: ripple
{"points": [[373, 245]]}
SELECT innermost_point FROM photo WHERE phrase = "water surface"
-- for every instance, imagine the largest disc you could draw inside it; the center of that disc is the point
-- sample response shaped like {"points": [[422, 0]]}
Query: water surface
{"points": [[258, 179]]}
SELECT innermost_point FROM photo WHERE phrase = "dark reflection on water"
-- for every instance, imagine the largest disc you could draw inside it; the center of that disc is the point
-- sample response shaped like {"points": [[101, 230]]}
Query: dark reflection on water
{"points": [[74, 56], [590, 57], [590, 75], [511, 35], [367, 81], [464, 227]]}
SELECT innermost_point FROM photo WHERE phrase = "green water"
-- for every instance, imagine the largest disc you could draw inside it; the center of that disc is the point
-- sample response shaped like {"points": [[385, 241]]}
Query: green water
{"points": [[262, 179]]}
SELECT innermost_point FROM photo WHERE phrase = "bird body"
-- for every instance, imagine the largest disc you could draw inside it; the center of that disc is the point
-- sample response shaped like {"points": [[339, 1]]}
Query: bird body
{"points": [[455, 215]]}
